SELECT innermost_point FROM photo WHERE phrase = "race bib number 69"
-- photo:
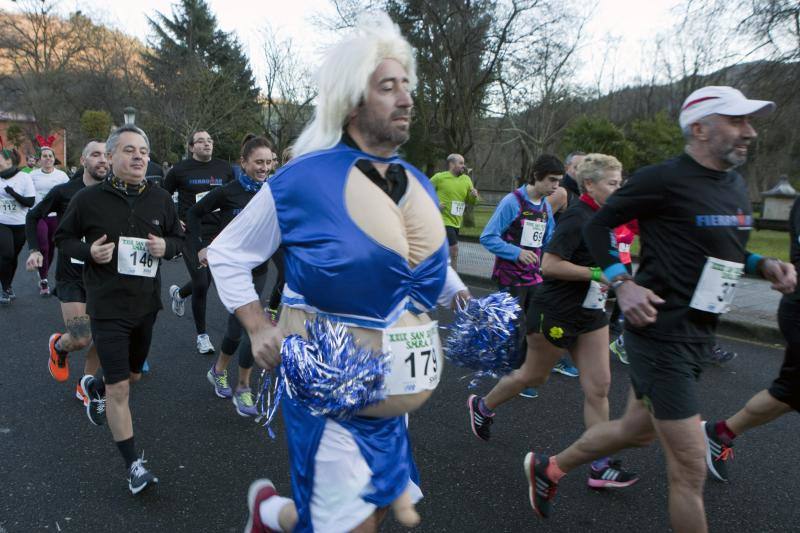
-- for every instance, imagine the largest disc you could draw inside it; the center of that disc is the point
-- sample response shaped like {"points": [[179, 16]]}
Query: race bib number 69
{"points": [[416, 355], [134, 259]]}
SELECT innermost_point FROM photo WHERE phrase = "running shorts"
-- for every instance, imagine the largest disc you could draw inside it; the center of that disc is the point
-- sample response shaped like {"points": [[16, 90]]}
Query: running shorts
{"points": [[786, 387], [70, 291], [122, 344], [664, 374], [561, 332], [452, 235]]}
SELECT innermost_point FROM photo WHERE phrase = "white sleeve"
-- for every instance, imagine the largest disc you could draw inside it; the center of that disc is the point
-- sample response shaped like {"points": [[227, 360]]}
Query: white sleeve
{"points": [[452, 286], [250, 239], [28, 188]]}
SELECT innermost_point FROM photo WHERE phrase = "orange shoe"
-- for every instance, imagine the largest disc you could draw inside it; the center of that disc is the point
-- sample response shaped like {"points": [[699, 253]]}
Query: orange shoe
{"points": [[57, 364], [80, 395]]}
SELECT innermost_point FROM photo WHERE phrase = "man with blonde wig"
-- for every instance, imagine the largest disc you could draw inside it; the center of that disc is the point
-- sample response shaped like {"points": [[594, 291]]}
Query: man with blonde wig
{"points": [[356, 254], [695, 217]]}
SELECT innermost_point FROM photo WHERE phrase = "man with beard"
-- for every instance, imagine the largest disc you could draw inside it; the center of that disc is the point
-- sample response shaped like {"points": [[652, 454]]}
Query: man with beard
{"points": [[368, 251], [695, 217], [70, 290], [193, 178], [454, 190]]}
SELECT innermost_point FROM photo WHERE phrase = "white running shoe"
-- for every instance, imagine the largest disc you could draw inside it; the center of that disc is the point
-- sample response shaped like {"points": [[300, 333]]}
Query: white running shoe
{"points": [[178, 303], [204, 345]]}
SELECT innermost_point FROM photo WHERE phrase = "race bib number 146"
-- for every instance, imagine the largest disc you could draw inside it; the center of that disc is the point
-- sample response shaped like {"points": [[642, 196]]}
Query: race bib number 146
{"points": [[134, 259]]}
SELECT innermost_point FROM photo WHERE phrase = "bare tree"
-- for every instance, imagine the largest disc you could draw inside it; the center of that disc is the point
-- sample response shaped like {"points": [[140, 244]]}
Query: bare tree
{"points": [[289, 91], [40, 47], [537, 88]]}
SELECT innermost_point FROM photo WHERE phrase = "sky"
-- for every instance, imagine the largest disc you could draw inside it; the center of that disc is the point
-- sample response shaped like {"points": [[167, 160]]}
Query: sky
{"points": [[626, 23]]}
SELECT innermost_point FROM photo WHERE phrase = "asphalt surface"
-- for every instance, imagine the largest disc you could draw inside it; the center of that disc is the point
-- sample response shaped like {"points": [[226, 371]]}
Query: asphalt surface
{"points": [[59, 473]]}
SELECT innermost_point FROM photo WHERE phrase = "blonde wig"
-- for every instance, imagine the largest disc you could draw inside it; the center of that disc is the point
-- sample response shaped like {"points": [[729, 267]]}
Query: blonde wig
{"points": [[343, 78]]}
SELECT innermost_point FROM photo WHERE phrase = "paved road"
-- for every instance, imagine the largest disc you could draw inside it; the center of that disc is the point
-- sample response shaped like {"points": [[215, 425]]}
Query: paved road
{"points": [[58, 473]]}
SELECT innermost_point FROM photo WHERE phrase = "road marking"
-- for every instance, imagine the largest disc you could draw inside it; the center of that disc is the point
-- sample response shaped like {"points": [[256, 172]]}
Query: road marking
{"points": [[5, 431]]}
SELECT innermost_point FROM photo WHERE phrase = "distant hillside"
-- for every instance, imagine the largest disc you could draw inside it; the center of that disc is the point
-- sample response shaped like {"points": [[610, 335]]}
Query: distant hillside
{"points": [[776, 152]]}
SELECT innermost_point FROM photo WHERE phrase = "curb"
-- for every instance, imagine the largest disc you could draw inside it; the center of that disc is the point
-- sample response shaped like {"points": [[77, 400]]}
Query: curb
{"points": [[750, 331], [729, 326]]}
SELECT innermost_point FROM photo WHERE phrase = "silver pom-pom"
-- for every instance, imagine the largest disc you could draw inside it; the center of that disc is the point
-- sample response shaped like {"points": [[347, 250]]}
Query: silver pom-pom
{"points": [[329, 374], [483, 335]]}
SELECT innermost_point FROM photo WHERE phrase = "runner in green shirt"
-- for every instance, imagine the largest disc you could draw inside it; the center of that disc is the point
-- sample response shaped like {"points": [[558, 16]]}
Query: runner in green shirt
{"points": [[455, 190]]}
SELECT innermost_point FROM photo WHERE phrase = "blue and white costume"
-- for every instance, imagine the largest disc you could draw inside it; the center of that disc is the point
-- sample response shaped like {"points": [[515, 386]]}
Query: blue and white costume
{"points": [[353, 255]]}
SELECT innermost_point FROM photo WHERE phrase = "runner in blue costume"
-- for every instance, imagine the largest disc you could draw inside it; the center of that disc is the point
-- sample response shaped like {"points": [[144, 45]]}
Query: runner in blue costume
{"points": [[364, 245]]}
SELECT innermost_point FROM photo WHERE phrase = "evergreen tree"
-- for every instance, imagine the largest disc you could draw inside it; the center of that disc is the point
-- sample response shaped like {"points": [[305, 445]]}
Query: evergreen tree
{"points": [[200, 79]]}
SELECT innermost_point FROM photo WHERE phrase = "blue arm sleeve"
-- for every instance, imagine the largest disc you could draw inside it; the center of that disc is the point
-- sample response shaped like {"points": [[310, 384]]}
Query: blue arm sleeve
{"points": [[507, 210], [751, 263]]}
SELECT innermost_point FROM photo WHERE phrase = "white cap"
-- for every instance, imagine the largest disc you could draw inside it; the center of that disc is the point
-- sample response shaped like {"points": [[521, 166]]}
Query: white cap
{"points": [[720, 100]]}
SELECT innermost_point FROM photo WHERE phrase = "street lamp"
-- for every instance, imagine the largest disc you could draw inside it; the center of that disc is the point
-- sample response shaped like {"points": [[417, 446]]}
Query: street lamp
{"points": [[130, 115]]}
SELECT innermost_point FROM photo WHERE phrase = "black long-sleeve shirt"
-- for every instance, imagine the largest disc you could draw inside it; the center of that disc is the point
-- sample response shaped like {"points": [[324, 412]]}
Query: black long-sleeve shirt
{"points": [[105, 210], [228, 201], [55, 201], [687, 213], [194, 179]]}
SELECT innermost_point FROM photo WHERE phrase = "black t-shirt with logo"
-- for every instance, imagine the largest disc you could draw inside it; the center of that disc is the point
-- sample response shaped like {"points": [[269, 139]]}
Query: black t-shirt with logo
{"points": [[564, 299], [687, 214], [194, 179]]}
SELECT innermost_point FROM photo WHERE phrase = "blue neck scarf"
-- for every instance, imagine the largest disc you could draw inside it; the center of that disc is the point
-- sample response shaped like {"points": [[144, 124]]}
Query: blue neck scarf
{"points": [[248, 183]]}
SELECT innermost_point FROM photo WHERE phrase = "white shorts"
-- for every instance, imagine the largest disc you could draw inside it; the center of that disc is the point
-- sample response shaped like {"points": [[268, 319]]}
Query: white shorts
{"points": [[341, 478]]}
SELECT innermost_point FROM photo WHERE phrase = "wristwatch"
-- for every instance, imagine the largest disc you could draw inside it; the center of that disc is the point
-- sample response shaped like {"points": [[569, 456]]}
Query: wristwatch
{"points": [[619, 280]]}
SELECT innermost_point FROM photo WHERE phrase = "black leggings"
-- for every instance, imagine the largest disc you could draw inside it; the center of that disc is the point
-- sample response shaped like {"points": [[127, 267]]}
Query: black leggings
{"points": [[277, 289], [197, 287], [233, 334], [12, 239]]}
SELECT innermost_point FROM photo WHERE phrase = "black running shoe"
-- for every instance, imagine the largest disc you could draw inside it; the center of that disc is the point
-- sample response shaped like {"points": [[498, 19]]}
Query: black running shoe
{"points": [[139, 478], [480, 423], [717, 453], [719, 356], [96, 408], [541, 489], [611, 476]]}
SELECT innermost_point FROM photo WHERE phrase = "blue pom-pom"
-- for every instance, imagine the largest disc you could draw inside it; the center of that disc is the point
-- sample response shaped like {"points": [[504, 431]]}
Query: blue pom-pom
{"points": [[329, 374], [483, 335]]}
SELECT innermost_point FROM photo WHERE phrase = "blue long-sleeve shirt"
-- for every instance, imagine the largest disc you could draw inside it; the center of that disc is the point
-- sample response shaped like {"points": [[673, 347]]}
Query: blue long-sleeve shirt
{"points": [[506, 212]]}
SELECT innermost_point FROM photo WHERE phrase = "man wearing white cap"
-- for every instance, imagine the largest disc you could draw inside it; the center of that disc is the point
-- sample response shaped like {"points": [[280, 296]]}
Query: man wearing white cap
{"points": [[694, 215]]}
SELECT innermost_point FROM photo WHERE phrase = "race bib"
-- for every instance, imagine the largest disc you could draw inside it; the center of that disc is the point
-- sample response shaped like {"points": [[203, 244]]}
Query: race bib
{"points": [[717, 286], [533, 233], [416, 358], [199, 196], [134, 259], [457, 208], [8, 205], [624, 248], [595, 296]]}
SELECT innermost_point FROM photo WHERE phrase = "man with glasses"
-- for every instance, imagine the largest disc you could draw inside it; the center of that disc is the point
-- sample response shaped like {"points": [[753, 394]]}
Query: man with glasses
{"points": [[193, 178]]}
